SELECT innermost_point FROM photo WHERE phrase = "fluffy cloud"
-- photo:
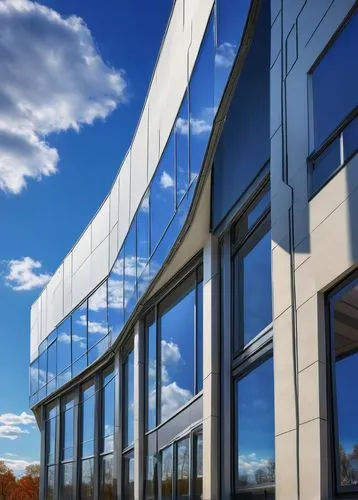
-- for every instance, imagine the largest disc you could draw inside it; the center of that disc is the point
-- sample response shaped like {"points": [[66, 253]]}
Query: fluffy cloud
{"points": [[24, 274], [10, 425], [173, 398], [17, 465], [52, 79], [198, 126], [166, 180], [225, 55]]}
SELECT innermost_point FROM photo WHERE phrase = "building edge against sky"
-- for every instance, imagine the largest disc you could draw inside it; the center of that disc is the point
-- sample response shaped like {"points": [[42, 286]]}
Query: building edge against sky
{"points": [[199, 339]]}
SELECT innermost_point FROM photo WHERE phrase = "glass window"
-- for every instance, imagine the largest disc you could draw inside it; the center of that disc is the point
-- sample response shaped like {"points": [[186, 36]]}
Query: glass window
{"points": [[64, 345], [177, 325], [336, 75], [255, 430], [167, 473], [88, 419], [151, 366], [129, 400], [182, 150], [34, 377], [51, 428], [182, 468], [350, 138], [68, 428], [106, 478], [42, 369], [198, 465], [128, 481], [162, 191], [51, 361], [143, 241], [199, 337], [201, 98], [79, 332], [66, 481], [97, 315], [150, 481], [50, 483], [108, 410], [130, 272], [115, 297], [87, 479]]}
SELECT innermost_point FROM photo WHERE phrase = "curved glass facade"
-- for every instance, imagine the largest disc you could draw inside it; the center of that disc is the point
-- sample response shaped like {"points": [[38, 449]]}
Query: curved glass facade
{"points": [[96, 323]]}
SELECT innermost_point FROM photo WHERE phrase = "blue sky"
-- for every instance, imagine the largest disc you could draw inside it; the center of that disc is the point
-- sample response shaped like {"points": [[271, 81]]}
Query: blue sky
{"points": [[71, 96]]}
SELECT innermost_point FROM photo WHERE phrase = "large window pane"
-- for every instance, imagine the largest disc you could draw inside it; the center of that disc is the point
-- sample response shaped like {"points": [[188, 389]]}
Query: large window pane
{"points": [[34, 376], [198, 466], [106, 478], [177, 324], [51, 428], [128, 481], [51, 361], [143, 240], [88, 418], [42, 369], [129, 400], [68, 429], [87, 479], [130, 270], [108, 410], [97, 315], [151, 366], [182, 465], [336, 75], [255, 429], [79, 332], [162, 194], [167, 473], [182, 150], [150, 481], [66, 482], [116, 297], [201, 98], [64, 345], [50, 483], [199, 337]]}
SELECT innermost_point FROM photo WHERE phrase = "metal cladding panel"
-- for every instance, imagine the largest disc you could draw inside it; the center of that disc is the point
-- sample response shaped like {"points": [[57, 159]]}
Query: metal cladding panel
{"points": [[139, 171], [113, 204], [81, 283], [124, 199], [43, 332], [99, 263], [153, 141], [67, 284], [55, 299], [81, 250], [113, 245], [197, 12], [100, 225]]}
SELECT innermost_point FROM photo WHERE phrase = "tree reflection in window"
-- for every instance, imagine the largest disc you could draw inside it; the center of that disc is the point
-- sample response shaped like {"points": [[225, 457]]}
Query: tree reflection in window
{"points": [[167, 473], [182, 468]]}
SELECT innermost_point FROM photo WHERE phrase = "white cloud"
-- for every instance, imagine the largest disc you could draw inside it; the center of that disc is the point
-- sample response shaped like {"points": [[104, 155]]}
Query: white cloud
{"points": [[11, 432], [52, 79], [198, 126], [225, 55], [10, 425], [170, 352], [17, 465], [166, 180], [173, 398], [250, 464], [24, 274], [98, 300]]}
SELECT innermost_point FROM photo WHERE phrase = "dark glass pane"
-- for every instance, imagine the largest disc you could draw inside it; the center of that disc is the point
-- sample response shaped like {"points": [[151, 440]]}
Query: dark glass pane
{"points": [[88, 415], [350, 139], [162, 194], [79, 331], [143, 240], [130, 272], [106, 481], [177, 354], [64, 377], [231, 20], [150, 489], [50, 483], [199, 338], [108, 411], [255, 428], [336, 75], [87, 479], [34, 377], [51, 425], [182, 475], [325, 165], [128, 481], [129, 401], [198, 466], [64, 345], [42, 369], [201, 99], [346, 363], [68, 430], [167, 473], [261, 205], [51, 361], [256, 288], [97, 315], [182, 150], [66, 482], [115, 297], [151, 372]]}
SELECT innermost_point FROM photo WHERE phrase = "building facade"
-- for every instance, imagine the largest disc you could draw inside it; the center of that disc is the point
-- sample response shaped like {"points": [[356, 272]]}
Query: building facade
{"points": [[200, 339]]}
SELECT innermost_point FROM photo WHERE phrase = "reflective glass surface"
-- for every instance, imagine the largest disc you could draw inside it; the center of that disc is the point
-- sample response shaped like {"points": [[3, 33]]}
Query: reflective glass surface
{"points": [[150, 480], [87, 479], [51, 361], [182, 466], [167, 473], [106, 478], [51, 428], [198, 466], [255, 429], [107, 433], [129, 476], [116, 297], [143, 236], [325, 165], [129, 400], [68, 429], [97, 315], [79, 332], [88, 419], [350, 139], [151, 375], [199, 338], [260, 206], [130, 273], [182, 150], [42, 369], [66, 481], [34, 377], [50, 483], [336, 75], [64, 345]]}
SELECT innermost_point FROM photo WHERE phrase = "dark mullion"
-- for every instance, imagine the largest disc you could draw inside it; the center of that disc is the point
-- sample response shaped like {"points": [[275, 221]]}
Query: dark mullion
{"points": [[117, 469], [97, 426], [76, 418], [57, 449], [158, 413], [43, 465]]}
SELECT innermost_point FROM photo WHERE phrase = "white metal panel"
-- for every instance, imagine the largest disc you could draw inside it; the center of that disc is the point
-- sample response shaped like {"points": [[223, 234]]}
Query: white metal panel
{"points": [[99, 262], [43, 331], [124, 199], [113, 204], [198, 11], [100, 225], [67, 284], [34, 340], [153, 141], [81, 283], [81, 250], [139, 172], [113, 245]]}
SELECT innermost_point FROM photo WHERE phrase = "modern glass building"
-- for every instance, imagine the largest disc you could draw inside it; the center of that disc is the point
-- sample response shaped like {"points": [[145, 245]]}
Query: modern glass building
{"points": [[200, 339]]}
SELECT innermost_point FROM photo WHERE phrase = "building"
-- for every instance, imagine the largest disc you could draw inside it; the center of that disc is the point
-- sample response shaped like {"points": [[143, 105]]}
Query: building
{"points": [[200, 338]]}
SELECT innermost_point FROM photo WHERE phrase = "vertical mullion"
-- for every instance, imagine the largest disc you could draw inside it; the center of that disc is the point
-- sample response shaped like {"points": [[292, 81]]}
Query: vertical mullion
{"points": [[97, 423], [76, 418], [117, 466], [195, 340], [43, 465], [57, 449], [158, 413]]}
